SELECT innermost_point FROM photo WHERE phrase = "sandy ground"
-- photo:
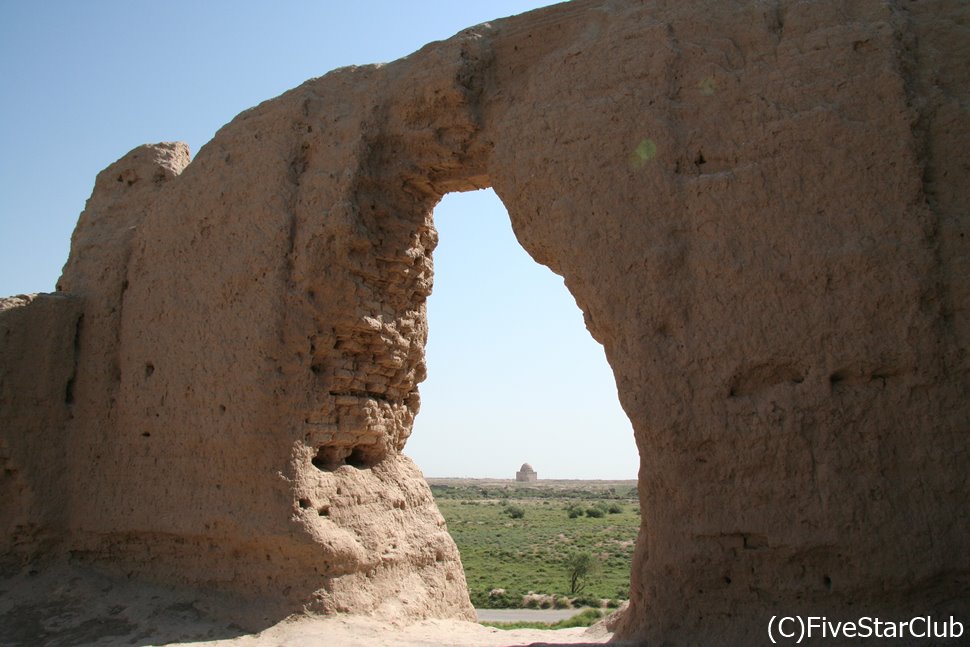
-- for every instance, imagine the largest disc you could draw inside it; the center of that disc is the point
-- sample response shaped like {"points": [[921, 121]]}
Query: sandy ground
{"points": [[360, 632], [68, 606], [525, 615]]}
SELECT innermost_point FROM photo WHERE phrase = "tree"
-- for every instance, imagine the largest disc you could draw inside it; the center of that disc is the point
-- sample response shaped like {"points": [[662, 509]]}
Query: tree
{"points": [[579, 568]]}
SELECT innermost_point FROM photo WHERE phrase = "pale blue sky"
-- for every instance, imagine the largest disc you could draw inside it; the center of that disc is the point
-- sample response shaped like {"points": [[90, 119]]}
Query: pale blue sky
{"points": [[513, 374]]}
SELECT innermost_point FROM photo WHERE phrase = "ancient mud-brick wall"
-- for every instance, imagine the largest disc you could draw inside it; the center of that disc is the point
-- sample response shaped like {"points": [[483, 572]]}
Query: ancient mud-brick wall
{"points": [[750, 210], [759, 207], [38, 370]]}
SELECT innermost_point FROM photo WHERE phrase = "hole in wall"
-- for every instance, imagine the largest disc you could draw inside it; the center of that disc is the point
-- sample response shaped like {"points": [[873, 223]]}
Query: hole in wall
{"points": [[363, 456], [515, 377], [331, 457], [328, 458]]}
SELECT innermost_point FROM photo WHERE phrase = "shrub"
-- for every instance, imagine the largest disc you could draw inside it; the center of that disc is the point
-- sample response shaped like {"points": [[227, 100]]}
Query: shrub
{"points": [[495, 599], [586, 601], [584, 619], [576, 510], [594, 512], [479, 598], [579, 568], [616, 508], [515, 511]]}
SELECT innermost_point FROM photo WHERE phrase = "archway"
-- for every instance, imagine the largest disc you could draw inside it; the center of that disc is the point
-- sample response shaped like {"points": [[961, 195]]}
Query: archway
{"points": [[514, 376], [512, 371]]}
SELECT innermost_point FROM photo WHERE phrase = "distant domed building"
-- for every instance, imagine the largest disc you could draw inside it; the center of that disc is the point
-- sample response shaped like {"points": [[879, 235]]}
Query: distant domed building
{"points": [[526, 474]]}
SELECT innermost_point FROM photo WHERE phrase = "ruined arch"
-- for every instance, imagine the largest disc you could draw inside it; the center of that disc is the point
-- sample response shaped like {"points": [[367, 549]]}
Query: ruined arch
{"points": [[741, 202]]}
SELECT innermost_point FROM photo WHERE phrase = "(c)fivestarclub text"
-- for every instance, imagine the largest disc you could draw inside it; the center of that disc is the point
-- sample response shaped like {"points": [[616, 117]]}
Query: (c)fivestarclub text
{"points": [[794, 629]]}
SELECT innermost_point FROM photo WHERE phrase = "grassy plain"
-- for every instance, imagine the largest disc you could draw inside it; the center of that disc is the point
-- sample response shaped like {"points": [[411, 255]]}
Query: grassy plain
{"points": [[528, 554]]}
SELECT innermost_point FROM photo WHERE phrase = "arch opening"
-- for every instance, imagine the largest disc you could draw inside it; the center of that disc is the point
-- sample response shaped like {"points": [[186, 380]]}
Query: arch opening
{"points": [[508, 352], [515, 378]]}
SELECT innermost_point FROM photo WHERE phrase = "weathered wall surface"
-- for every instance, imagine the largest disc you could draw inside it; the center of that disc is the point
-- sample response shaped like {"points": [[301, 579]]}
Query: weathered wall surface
{"points": [[761, 210], [38, 366], [742, 209], [782, 324]]}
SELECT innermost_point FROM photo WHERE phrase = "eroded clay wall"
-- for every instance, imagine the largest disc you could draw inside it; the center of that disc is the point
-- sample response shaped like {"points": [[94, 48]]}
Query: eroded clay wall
{"points": [[741, 209], [760, 209], [39, 336]]}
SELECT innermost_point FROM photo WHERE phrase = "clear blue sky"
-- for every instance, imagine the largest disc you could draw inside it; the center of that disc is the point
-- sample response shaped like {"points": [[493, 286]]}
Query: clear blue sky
{"points": [[513, 374]]}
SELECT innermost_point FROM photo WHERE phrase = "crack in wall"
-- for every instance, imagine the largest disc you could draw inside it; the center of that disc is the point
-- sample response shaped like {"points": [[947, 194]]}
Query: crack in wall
{"points": [[76, 347]]}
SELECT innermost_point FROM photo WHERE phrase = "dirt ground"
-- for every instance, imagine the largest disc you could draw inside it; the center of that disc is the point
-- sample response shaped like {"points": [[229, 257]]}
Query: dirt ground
{"points": [[360, 632], [67, 606]]}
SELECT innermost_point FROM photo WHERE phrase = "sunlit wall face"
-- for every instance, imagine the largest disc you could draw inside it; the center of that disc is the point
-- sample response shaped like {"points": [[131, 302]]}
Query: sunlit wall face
{"points": [[513, 374]]}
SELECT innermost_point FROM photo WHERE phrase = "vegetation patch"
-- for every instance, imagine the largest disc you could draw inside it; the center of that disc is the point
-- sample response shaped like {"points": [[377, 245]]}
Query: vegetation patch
{"points": [[527, 546], [585, 618]]}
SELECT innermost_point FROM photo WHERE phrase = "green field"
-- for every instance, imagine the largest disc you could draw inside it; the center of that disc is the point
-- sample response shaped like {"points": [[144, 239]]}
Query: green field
{"points": [[527, 554]]}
